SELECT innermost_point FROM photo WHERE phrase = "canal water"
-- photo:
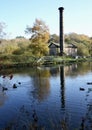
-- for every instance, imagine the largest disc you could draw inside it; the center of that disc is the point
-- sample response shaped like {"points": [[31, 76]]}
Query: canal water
{"points": [[46, 98]]}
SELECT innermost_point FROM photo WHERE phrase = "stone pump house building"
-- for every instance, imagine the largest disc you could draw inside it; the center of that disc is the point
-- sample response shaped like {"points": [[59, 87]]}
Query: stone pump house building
{"points": [[69, 49]]}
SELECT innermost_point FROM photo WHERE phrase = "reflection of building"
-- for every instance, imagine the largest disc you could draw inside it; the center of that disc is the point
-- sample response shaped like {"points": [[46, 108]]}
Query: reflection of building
{"points": [[71, 69]]}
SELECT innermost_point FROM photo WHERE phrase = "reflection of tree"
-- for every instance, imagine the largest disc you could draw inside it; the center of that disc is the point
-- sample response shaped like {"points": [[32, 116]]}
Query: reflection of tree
{"points": [[62, 86], [89, 116], [86, 121], [41, 84], [84, 67], [25, 120], [3, 97]]}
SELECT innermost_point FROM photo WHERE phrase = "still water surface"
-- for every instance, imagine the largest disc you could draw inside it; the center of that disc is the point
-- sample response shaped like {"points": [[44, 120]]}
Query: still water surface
{"points": [[47, 98]]}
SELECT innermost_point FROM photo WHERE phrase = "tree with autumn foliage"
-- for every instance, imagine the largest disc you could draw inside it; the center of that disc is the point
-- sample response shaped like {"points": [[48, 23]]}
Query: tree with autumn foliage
{"points": [[39, 37], [39, 32]]}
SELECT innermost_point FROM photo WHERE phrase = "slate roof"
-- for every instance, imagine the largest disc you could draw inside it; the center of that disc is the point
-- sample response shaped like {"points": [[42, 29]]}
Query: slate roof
{"points": [[65, 45], [56, 44]]}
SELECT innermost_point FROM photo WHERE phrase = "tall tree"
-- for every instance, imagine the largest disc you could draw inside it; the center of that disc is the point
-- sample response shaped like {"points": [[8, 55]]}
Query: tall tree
{"points": [[54, 38], [83, 43], [2, 26], [39, 32]]}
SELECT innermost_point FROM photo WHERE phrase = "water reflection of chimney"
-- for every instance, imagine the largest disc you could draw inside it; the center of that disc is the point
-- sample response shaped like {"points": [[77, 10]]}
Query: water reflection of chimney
{"points": [[62, 86]]}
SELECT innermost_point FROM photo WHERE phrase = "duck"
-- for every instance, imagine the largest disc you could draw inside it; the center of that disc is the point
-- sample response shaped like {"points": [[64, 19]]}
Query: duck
{"points": [[89, 83], [4, 88], [3, 76], [14, 86], [19, 82], [82, 89], [11, 76]]}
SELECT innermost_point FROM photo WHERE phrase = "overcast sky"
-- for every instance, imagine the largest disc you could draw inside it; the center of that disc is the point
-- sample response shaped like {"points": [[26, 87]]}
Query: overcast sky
{"points": [[17, 14]]}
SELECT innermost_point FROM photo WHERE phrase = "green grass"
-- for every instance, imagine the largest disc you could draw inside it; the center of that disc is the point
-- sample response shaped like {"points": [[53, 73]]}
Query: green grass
{"points": [[28, 60]]}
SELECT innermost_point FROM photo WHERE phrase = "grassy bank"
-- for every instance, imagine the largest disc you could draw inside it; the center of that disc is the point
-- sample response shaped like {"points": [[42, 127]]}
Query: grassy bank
{"points": [[7, 61]]}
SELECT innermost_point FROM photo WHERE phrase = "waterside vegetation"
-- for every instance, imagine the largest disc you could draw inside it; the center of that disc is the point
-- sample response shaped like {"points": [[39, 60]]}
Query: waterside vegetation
{"points": [[35, 51], [30, 61]]}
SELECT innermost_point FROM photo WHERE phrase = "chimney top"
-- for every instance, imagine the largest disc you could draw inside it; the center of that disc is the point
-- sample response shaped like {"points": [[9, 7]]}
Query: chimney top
{"points": [[61, 8]]}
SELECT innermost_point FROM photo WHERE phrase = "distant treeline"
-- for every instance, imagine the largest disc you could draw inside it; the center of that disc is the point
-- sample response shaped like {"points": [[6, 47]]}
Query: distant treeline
{"points": [[83, 42], [40, 36], [21, 45]]}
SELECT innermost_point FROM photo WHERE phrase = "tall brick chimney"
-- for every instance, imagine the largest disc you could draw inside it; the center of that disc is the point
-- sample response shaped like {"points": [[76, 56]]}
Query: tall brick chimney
{"points": [[61, 31]]}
